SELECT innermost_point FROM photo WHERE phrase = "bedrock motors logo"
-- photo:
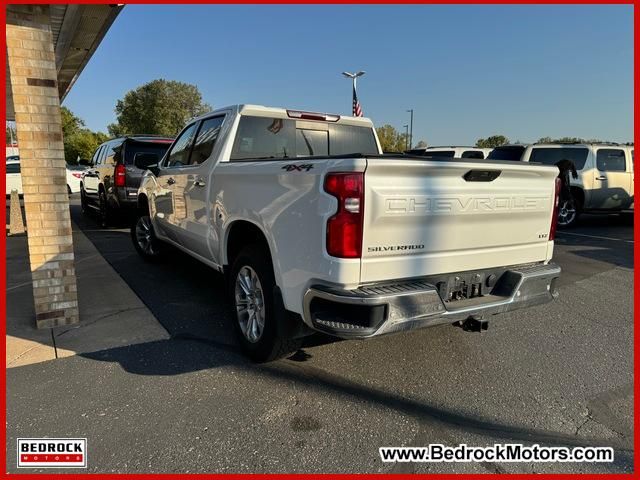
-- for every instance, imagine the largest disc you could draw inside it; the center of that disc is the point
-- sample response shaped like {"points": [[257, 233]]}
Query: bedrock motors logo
{"points": [[52, 453]]}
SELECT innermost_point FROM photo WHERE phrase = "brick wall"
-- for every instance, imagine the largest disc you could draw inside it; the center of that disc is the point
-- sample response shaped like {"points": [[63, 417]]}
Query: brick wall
{"points": [[32, 66]]}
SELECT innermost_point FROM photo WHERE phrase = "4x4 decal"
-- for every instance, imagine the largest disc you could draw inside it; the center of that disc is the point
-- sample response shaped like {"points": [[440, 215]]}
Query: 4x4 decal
{"points": [[298, 168]]}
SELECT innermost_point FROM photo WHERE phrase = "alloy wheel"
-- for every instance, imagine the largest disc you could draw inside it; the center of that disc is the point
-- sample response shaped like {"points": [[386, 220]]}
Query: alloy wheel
{"points": [[250, 307], [144, 236], [566, 213]]}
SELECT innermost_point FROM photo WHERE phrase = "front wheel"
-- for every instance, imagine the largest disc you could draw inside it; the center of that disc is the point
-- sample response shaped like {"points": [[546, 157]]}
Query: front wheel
{"points": [[145, 241], [259, 327]]}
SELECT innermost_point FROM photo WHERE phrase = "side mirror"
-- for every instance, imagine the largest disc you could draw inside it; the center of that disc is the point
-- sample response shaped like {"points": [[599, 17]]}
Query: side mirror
{"points": [[145, 160]]}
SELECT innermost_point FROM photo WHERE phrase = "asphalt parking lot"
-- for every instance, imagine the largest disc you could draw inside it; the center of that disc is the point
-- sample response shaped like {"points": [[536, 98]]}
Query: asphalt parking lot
{"points": [[557, 374]]}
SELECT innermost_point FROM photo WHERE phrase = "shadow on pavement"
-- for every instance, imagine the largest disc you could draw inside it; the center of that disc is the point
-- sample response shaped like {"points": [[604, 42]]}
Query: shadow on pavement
{"points": [[174, 357]]}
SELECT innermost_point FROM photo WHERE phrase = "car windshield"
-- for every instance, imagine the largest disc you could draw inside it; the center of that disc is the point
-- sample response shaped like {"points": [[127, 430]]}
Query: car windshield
{"points": [[506, 153], [440, 153], [264, 138], [133, 147], [551, 156], [76, 167]]}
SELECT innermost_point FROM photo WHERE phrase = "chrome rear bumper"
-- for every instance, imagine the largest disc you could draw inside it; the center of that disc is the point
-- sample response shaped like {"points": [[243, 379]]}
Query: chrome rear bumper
{"points": [[378, 309]]}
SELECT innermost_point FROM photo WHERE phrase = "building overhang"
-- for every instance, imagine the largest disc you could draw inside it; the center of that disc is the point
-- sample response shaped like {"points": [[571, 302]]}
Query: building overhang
{"points": [[77, 30]]}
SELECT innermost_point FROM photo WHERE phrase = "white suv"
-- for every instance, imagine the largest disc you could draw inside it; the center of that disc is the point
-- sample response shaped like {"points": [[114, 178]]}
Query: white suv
{"points": [[605, 176], [452, 152]]}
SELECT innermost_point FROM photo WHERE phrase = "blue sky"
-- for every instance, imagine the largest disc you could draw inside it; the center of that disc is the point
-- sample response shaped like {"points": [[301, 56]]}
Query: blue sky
{"points": [[467, 71]]}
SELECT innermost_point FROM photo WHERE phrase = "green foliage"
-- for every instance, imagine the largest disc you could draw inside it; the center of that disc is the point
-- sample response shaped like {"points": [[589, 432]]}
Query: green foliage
{"points": [[160, 107], [391, 140], [11, 134], [492, 141], [421, 144], [79, 141], [567, 140]]}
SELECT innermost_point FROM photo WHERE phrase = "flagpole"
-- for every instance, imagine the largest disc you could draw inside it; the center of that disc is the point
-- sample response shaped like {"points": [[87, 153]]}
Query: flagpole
{"points": [[353, 77]]}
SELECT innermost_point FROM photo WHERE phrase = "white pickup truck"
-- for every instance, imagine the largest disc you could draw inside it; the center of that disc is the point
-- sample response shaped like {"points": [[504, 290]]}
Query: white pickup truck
{"points": [[317, 230]]}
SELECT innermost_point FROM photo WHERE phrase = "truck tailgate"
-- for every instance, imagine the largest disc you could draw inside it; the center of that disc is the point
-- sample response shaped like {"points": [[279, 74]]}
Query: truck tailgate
{"points": [[426, 217]]}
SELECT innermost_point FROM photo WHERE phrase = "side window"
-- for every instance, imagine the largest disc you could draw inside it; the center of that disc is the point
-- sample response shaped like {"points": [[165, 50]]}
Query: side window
{"points": [[472, 154], [13, 168], [96, 156], [112, 151], [179, 154], [611, 160], [206, 139]]}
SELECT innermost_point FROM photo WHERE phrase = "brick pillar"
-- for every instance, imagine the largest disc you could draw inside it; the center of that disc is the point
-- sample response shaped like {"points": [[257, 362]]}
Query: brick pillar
{"points": [[32, 67]]}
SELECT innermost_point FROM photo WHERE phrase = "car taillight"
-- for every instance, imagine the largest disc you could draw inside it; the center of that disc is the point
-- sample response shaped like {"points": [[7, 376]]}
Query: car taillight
{"points": [[77, 175], [556, 205], [344, 229], [119, 175]]}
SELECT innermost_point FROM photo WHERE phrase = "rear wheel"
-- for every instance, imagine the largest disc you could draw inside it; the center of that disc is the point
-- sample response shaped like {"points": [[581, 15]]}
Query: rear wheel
{"points": [[104, 211], [568, 212], [260, 329], [144, 239], [83, 201]]}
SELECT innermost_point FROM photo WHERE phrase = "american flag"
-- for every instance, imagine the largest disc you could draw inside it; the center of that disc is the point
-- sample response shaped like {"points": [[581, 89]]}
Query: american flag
{"points": [[357, 110]]}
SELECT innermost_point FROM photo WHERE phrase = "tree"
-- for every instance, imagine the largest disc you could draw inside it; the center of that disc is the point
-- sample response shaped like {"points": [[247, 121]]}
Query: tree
{"points": [[79, 141], [12, 137], [160, 107], [70, 123], [492, 141], [421, 144], [391, 140], [567, 140]]}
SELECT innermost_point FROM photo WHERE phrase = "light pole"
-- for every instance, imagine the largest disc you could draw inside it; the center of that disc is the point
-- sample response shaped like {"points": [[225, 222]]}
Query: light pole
{"points": [[353, 77], [411, 129], [406, 137]]}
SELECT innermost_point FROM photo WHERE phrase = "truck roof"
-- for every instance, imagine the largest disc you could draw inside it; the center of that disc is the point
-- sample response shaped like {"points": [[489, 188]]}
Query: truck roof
{"points": [[276, 112]]}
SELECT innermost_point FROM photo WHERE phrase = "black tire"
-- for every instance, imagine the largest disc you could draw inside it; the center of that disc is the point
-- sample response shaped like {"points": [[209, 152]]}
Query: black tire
{"points": [[104, 212], [83, 201], [69, 192], [274, 340], [157, 250]]}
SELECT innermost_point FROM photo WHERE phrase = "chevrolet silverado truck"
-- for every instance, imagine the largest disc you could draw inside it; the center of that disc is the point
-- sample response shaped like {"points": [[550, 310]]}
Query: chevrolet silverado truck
{"points": [[316, 230]]}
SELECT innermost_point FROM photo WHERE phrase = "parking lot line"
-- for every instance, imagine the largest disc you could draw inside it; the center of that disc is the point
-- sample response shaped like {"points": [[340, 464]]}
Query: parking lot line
{"points": [[596, 236]]}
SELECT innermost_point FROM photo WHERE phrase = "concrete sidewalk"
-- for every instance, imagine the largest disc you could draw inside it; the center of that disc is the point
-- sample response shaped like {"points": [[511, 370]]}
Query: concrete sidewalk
{"points": [[111, 314]]}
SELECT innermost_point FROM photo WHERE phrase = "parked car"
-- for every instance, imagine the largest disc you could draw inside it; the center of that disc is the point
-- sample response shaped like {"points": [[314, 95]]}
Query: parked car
{"points": [[13, 178], [74, 176], [605, 177], [13, 158], [451, 152], [111, 184], [512, 152], [316, 230]]}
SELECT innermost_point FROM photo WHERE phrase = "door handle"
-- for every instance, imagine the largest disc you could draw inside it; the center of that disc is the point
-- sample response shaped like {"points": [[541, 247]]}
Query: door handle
{"points": [[601, 177], [199, 182], [170, 181]]}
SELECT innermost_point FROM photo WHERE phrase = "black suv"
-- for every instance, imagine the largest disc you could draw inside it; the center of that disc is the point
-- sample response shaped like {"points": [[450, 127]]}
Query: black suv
{"points": [[111, 184]]}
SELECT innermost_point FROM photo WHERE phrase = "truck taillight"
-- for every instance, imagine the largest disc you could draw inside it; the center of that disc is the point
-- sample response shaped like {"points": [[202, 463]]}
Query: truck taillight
{"points": [[344, 229], [119, 175], [556, 205]]}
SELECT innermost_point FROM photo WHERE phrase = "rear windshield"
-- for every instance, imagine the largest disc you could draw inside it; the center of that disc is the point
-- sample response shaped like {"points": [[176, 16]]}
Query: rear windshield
{"points": [[75, 168], [472, 154], [551, 156], [418, 151], [261, 138], [133, 147], [440, 153], [506, 153]]}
